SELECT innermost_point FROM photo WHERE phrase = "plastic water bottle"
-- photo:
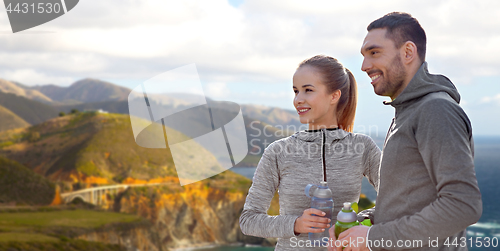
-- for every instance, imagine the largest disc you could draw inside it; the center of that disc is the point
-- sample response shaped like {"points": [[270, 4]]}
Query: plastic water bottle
{"points": [[322, 200], [346, 219]]}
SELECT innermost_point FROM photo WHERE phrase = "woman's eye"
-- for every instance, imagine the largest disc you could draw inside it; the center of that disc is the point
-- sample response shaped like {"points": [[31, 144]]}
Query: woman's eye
{"points": [[295, 91], [308, 90]]}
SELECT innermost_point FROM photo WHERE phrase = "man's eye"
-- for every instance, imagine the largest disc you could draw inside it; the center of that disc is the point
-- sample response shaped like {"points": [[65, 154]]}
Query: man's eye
{"points": [[374, 52]]}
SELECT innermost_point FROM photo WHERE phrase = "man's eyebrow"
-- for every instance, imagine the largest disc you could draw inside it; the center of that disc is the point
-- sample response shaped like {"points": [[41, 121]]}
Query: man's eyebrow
{"points": [[372, 47]]}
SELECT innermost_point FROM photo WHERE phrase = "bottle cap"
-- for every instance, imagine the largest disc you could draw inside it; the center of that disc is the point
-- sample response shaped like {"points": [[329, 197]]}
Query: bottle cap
{"points": [[347, 214], [323, 191], [347, 206]]}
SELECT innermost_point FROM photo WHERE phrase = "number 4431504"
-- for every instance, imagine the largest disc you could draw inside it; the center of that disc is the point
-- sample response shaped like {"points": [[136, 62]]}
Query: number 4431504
{"points": [[34, 8], [472, 241]]}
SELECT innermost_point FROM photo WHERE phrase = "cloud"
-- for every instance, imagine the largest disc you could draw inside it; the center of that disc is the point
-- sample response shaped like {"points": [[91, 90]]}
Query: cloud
{"points": [[259, 40], [217, 90], [32, 76], [491, 100]]}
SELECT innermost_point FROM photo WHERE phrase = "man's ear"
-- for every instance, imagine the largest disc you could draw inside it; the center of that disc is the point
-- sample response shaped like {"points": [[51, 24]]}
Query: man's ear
{"points": [[335, 97], [409, 52]]}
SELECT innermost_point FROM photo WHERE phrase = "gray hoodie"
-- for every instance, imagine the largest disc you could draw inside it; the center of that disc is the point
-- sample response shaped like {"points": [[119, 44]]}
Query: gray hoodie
{"points": [[289, 164], [428, 187]]}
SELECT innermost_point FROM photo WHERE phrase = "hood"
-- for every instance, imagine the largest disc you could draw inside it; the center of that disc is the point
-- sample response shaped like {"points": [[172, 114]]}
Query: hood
{"points": [[422, 84], [315, 135]]}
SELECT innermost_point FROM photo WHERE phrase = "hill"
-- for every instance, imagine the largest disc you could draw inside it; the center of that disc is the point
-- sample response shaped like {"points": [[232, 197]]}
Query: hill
{"points": [[22, 185], [90, 148], [31, 111], [20, 90], [84, 91], [260, 132], [10, 120]]}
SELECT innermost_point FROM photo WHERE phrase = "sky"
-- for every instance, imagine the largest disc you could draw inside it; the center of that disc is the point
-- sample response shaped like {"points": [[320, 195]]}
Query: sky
{"points": [[247, 51]]}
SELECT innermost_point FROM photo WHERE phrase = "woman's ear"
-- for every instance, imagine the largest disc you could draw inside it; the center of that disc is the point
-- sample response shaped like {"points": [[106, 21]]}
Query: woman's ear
{"points": [[335, 97]]}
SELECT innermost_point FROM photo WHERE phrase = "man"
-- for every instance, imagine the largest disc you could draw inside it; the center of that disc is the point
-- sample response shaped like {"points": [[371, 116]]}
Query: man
{"points": [[428, 191]]}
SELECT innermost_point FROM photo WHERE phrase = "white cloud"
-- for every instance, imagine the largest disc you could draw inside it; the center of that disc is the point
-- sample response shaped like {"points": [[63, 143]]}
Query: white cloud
{"points": [[32, 77], [491, 100], [260, 40], [217, 90]]}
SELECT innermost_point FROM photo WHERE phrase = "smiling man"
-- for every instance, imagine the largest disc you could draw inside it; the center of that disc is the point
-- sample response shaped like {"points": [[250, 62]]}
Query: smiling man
{"points": [[428, 192]]}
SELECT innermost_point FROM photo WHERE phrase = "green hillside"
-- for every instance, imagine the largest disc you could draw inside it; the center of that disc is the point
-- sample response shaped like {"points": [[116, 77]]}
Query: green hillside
{"points": [[21, 185], [259, 131], [9, 120], [75, 147], [31, 111]]}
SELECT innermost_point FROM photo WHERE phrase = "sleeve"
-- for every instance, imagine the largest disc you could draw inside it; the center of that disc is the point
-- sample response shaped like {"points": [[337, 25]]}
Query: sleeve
{"points": [[371, 161], [254, 219], [444, 138]]}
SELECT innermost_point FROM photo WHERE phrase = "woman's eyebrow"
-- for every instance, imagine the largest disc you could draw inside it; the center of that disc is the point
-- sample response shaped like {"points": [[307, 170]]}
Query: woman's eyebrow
{"points": [[304, 86]]}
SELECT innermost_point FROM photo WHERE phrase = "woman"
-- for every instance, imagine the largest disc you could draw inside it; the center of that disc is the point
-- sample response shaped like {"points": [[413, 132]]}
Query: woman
{"points": [[325, 98]]}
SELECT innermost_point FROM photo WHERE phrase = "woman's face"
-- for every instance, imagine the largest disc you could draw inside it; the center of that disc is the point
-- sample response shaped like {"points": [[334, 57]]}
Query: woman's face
{"points": [[312, 101]]}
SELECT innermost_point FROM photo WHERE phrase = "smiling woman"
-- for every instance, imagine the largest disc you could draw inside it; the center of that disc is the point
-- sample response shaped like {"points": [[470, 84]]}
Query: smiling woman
{"points": [[325, 98]]}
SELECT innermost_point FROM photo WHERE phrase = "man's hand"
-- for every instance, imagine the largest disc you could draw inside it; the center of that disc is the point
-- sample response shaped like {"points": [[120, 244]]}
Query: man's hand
{"points": [[353, 239], [308, 223], [332, 242]]}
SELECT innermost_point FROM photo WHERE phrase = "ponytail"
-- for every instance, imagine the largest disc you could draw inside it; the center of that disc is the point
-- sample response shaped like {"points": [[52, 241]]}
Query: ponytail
{"points": [[347, 114]]}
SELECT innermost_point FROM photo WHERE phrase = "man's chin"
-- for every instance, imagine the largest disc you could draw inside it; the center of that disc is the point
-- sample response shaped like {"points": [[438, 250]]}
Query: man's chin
{"points": [[379, 92]]}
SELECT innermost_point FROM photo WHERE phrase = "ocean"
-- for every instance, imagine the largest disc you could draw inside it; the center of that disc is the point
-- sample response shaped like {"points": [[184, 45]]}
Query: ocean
{"points": [[484, 235]]}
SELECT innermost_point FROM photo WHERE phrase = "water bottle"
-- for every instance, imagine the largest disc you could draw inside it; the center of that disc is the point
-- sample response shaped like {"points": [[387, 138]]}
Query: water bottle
{"points": [[346, 219], [322, 200]]}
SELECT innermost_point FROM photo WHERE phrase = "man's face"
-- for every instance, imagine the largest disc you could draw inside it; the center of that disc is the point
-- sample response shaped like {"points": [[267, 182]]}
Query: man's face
{"points": [[382, 62]]}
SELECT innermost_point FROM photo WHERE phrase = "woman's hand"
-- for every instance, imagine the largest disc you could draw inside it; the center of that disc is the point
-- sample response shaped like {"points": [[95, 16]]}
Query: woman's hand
{"points": [[306, 222]]}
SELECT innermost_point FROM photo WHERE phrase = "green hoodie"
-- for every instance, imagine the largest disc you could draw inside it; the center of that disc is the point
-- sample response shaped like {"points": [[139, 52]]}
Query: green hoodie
{"points": [[428, 187]]}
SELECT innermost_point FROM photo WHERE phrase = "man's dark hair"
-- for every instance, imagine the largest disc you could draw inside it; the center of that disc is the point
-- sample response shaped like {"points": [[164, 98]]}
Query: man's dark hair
{"points": [[402, 27]]}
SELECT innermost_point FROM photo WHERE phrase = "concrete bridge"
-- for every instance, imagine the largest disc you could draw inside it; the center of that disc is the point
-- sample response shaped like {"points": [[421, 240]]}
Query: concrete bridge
{"points": [[95, 195]]}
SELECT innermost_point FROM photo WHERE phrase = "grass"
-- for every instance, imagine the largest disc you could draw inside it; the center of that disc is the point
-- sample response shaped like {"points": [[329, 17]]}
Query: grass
{"points": [[43, 230], [69, 245], [21, 185], [66, 218], [25, 237]]}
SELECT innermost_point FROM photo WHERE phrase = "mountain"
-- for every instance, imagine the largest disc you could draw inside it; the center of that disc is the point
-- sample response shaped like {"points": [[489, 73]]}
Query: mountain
{"points": [[9, 120], [22, 185], [84, 91], [94, 94], [31, 111], [90, 147], [20, 90], [287, 120]]}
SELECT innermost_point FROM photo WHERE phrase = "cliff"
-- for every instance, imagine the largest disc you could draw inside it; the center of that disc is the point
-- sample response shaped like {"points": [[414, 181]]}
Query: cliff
{"points": [[142, 236], [198, 214]]}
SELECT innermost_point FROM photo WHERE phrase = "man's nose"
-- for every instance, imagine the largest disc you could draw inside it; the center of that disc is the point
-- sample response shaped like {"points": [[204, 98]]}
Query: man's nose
{"points": [[366, 66]]}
